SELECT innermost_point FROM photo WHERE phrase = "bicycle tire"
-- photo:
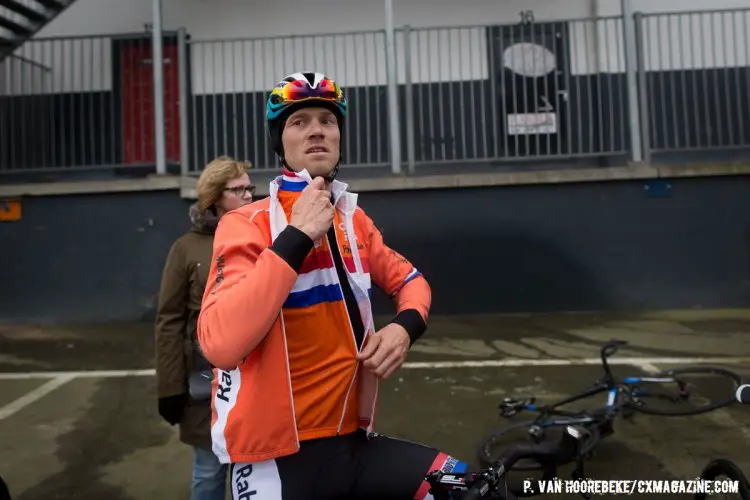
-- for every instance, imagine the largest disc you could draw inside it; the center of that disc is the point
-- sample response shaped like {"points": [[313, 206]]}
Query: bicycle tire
{"points": [[729, 399], [719, 467], [486, 459]]}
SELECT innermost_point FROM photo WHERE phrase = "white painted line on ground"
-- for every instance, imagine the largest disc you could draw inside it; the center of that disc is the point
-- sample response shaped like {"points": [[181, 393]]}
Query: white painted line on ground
{"points": [[649, 368], [79, 374], [504, 363], [647, 364], [35, 395]]}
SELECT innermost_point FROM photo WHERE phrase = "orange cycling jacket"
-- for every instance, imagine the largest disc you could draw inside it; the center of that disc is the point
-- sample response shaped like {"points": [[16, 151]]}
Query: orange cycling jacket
{"points": [[274, 324]]}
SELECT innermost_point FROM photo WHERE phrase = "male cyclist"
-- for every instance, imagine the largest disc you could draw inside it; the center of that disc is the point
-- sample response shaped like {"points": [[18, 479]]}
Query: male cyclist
{"points": [[287, 321]]}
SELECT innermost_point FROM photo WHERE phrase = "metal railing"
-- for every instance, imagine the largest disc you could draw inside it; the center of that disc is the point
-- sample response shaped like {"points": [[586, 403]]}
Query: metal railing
{"points": [[230, 80], [552, 91]]}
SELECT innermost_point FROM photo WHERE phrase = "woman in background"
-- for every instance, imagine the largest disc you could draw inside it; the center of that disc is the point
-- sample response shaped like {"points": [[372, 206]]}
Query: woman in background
{"points": [[183, 374]]}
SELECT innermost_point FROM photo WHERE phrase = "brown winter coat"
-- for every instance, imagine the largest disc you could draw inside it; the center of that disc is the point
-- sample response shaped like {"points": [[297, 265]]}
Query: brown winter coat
{"points": [[183, 281]]}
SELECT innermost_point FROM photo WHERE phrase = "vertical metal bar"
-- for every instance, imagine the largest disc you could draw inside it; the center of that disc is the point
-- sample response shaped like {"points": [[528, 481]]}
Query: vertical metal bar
{"points": [[496, 66], [685, 102], [47, 51], [367, 89], [654, 61], [630, 68], [451, 96], [524, 87], [23, 100], [139, 104], [727, 92], [579, 120], [601, 69], [379, 71], [468, 78], [81, 92], [93, 91], [361, 118], [235, 113], [225, 79], [620, 92], [68, 64], [113, 104], [376, 118], [158, 67], [472, 101], [664, 130], [409, 101], [246, 88], [740, 107], [422, 80], [610, 79], [205, 46], [430, 88], [672, 98], [215, 102], [514, 92], [545, 82], [643, 96], [182, 82], [193, 123], [441, 83], [392, 88], [705, 81], [694, 80], [100, 104], [715, 90], [746, 22], [567, 69], [727, 68]]}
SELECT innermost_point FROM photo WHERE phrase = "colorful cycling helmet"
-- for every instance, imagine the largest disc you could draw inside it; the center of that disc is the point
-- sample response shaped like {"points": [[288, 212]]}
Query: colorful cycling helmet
{"points": [[299, 90]]}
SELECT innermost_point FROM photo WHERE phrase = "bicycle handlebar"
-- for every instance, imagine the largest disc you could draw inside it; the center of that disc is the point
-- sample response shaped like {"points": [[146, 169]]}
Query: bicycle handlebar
{"points": [[743, 394], [554, 452]]}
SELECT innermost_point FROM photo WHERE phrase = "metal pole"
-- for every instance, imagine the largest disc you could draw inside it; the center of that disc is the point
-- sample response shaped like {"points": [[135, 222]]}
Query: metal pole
{"points": [[390, 55], [183, 82], [631, 69], [409, 101], [158, 67], [643, 94]]}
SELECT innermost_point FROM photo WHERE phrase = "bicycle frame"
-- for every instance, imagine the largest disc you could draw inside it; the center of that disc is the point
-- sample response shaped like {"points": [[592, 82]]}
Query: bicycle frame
{"points": [[606, 384]]}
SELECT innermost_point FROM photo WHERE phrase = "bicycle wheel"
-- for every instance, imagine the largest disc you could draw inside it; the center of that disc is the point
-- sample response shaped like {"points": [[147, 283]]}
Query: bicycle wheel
{"points": [[494, 444], [683, 395], [724, 468]]}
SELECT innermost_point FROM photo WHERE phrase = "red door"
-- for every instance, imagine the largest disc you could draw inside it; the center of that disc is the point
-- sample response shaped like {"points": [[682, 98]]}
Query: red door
{"points": [[139, 143]]}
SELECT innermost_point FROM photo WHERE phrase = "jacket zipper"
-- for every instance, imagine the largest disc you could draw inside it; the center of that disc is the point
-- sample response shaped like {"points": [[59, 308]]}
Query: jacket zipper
{"points": [[351, 327]]}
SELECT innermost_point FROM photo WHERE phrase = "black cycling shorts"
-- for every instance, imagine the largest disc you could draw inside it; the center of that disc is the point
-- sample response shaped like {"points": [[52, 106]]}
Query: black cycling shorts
{"points": [[353, 467]]}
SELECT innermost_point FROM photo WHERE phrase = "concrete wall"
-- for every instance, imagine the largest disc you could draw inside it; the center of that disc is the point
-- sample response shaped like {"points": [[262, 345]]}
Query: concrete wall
{"points": [[613, 245]]}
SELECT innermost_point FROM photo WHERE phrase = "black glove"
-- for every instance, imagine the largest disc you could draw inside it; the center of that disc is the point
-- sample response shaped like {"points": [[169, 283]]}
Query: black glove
{"points": [[172, 408]]}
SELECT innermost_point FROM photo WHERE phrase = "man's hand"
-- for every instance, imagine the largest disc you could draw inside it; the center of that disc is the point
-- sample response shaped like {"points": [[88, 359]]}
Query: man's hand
{"points": [[313, 212], [385, 350]]}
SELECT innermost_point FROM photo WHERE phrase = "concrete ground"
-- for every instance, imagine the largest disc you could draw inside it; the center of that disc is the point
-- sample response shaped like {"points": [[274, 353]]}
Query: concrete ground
{"points": [[98, 436]]}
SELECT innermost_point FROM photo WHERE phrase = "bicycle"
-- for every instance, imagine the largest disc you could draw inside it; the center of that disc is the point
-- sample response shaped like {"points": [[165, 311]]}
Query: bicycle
{"points": [[624, 397], [491, 482]]}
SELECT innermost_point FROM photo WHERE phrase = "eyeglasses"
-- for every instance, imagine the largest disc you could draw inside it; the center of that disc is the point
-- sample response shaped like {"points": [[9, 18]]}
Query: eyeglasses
{"points": [[240, 190]]}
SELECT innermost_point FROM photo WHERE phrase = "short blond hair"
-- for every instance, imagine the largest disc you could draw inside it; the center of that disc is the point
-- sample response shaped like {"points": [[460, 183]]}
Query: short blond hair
{"points": [[214, 178]]}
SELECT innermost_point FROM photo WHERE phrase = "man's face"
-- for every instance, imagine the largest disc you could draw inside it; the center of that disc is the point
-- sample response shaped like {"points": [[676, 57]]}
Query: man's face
{"points": [[311, 140]]}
